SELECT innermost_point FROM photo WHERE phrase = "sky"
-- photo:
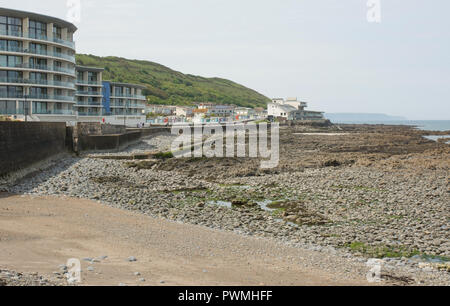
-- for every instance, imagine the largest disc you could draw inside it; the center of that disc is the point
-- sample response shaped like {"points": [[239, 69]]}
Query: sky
{"points": [[325, 52]]}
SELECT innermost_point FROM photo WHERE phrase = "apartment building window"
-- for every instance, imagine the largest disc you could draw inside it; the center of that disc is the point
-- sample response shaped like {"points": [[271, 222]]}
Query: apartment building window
{"points": [[118, 91], [11, 75], [11, 25], [38, 77], [8, 107], [10, 61], [92, 76], [10, 45], [38, 48], [38, 30], [80, 76], [57, 50], [39, 107], [11, 91], [38, 63], [57, 65], [57, 78], [57, 32], [38, 92]]}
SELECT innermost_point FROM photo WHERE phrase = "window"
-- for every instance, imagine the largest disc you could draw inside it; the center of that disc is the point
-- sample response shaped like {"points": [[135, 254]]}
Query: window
{"points": [[38, 63], [57, 32], [38, 48], [38, 77], [10, 61], [80, 76], [38, 30], [39, 107], [38, 92], [118, 91], [92, 76], [11, 26], [8, 107], [11, 75], [10, 45], [11, 91]]}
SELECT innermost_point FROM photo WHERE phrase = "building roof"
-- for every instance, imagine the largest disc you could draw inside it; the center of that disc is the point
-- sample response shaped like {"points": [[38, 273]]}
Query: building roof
{"points": [[39, 17], [93, 69], [200, 111], [284, 107], [126, 85]]}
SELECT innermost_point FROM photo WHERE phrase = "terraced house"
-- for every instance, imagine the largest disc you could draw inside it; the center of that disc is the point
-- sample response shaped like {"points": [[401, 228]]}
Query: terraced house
{"points": [[39, 79]]}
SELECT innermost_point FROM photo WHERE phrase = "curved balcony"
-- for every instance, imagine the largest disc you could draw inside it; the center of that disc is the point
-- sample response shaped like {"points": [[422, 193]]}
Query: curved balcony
{"points": [[51, 97], [59, 55], [58, 41], [38, 82], [68, 71]]}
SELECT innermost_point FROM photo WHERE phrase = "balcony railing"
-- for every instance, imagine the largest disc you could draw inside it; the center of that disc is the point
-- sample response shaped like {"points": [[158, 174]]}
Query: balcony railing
{"points": [[114, 95], [67, 43], [127, 105], [51, 97], [38, 82], [41, 67], [39, 52], [54, 112], [89, 103], [92, 113], [90, 93], [83, 82], [11, 95]]}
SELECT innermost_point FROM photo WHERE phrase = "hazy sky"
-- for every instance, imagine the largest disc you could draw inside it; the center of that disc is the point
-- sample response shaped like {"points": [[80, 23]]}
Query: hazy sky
{"points": [[322, 51]]}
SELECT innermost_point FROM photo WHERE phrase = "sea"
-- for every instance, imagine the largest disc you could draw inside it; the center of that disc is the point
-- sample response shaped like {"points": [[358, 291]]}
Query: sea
{"points": [[427, 125]]}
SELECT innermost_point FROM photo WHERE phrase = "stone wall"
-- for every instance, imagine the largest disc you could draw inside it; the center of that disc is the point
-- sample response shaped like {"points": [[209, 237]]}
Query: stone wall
{"points": [[23, 144]]}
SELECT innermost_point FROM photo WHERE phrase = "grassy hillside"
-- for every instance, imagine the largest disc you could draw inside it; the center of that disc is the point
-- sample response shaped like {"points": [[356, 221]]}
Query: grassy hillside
{"points": [[166, 86]]}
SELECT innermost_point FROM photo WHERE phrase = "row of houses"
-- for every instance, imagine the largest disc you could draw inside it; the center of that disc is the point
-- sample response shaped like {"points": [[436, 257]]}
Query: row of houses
{"points": [[202, 112]]}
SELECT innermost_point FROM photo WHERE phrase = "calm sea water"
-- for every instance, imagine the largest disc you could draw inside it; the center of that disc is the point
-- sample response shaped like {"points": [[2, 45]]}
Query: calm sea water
{"points": [[428, 125]]}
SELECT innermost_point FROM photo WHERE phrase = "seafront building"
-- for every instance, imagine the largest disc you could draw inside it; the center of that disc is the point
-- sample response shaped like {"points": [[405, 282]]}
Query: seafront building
{"points": [[39, 79], [37, 66], [292, 109], [89, 95]]}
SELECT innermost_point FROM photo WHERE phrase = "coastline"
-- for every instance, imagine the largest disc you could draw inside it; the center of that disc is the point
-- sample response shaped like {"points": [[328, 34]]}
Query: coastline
{"points": [[357, 195]]}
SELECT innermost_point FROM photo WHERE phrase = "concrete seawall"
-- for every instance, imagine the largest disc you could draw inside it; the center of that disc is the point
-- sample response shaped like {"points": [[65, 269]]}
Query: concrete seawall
{"points": [[23, 144]]}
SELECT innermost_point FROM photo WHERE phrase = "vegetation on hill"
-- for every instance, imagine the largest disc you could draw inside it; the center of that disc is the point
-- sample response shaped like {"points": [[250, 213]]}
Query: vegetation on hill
{"points": [[169, 87]]}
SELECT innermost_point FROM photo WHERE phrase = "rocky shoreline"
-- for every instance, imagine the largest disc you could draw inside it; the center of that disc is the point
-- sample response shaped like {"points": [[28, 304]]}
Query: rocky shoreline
{"points": [[373, 202]]}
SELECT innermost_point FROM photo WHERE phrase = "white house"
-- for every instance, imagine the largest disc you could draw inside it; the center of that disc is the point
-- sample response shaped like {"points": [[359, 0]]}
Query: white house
{"points": [[184, 111], [281, 110], [292, 109], [244, 112]]}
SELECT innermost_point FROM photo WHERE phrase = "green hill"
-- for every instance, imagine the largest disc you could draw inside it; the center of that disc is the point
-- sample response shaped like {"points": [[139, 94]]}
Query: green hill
{"points": [[166, 86]]}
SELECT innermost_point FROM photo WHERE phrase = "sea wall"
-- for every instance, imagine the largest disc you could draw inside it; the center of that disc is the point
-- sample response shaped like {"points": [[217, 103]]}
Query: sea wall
{"points": [[23, 144]]}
